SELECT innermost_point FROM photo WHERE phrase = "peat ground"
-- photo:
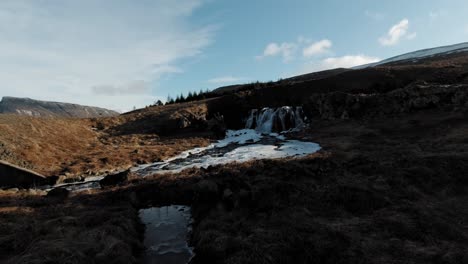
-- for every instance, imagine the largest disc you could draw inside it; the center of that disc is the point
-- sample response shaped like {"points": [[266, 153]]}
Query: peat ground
{"points": [[391, 190]]}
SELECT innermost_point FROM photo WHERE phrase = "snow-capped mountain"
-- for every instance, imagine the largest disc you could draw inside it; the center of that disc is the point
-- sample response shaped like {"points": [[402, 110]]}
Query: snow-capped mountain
{"points": [[421, 54]]}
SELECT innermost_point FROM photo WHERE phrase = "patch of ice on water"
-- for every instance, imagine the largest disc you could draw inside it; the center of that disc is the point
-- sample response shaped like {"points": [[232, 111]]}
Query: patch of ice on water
{"points": [[296, 147], [292, 148], [239, 137]]}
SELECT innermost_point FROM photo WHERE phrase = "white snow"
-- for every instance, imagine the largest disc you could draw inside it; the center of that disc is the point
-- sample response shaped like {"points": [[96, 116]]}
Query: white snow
{"points": [[291, 148], [240, 137]]}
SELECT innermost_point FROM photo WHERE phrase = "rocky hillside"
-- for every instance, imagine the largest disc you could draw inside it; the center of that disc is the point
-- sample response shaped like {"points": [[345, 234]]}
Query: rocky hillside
{"points": [[30, 107]]}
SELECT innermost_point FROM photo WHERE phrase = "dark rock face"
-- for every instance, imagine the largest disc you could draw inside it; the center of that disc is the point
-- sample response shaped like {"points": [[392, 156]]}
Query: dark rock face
{"points": [[217, 125], [409, 99], [115, 179], [30, 107]]}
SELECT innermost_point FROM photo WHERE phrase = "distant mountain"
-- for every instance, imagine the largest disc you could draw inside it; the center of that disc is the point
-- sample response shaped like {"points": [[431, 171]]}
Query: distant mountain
{"points": [[421, 54], [30, 107]]}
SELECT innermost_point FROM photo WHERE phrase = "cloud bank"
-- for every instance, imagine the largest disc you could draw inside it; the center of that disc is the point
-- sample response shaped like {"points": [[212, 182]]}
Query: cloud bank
{"points": [[105, 53]]}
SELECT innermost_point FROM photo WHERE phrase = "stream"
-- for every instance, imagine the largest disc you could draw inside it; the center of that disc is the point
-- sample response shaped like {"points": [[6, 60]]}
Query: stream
{"points": [[166, 235]]}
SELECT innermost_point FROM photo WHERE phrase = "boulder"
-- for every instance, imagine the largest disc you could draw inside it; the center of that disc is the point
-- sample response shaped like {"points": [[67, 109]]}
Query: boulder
{"points": [[58, 193], [115, 179], [183, 122]]}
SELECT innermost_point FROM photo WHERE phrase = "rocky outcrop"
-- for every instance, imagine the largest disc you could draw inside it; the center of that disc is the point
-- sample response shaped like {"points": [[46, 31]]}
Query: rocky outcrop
{"points": [[115, 179], [14, 176], [30, 107], [339, 105], [217, 125]]}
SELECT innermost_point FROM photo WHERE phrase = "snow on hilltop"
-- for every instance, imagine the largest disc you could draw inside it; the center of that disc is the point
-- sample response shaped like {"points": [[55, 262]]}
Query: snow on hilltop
{"points": [[420, 54]]}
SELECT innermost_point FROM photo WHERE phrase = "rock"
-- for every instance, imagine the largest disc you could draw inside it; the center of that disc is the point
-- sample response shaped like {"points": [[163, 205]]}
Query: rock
{"points": [[72, 179], [183, 122], [207, 191], [115, 179], [217, 125], [61, 179], [58, 193]]}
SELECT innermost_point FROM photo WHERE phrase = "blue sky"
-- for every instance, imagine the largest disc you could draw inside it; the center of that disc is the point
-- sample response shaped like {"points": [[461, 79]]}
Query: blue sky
{"points": [[122, 53]]}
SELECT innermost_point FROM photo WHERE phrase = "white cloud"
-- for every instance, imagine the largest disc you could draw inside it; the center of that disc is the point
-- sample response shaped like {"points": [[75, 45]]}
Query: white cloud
{"points": [[286, 50], [103, 53], [338, 62], [466, 29], [317, 48], [225, 79], [395, 33], [374, 15]]}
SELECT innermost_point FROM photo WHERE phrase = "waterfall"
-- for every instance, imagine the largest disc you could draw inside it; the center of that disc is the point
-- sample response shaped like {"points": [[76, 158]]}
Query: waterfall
{"points": [[279, 119]]}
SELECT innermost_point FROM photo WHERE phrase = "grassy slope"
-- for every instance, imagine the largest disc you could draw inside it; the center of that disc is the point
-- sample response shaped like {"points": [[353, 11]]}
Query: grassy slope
{"points": [[55, 146]]}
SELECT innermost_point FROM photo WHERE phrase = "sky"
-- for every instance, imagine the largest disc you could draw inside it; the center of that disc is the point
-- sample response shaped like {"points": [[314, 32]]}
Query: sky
{"points": [[121, 54]]}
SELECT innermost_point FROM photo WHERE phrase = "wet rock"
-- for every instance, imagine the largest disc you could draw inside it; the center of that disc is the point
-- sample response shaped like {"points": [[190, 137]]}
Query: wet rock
{"points": [[115, 179], [206, 191], [58, 193]]}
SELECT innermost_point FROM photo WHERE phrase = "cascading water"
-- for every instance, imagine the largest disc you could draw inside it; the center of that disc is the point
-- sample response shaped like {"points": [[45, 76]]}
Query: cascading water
{"points": [[279, 119]]}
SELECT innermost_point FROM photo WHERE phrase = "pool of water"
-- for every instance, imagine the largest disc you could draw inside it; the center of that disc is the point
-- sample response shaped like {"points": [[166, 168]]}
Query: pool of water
{"points": [[166, 235]]}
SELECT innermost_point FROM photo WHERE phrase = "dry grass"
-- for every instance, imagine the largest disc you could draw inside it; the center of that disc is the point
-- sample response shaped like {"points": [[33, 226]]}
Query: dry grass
{"points": [[60, 146], [82, 230]]}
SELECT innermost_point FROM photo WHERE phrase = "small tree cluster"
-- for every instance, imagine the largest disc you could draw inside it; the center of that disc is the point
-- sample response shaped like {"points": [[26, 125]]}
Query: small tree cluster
{"points": [[191, 96]]}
